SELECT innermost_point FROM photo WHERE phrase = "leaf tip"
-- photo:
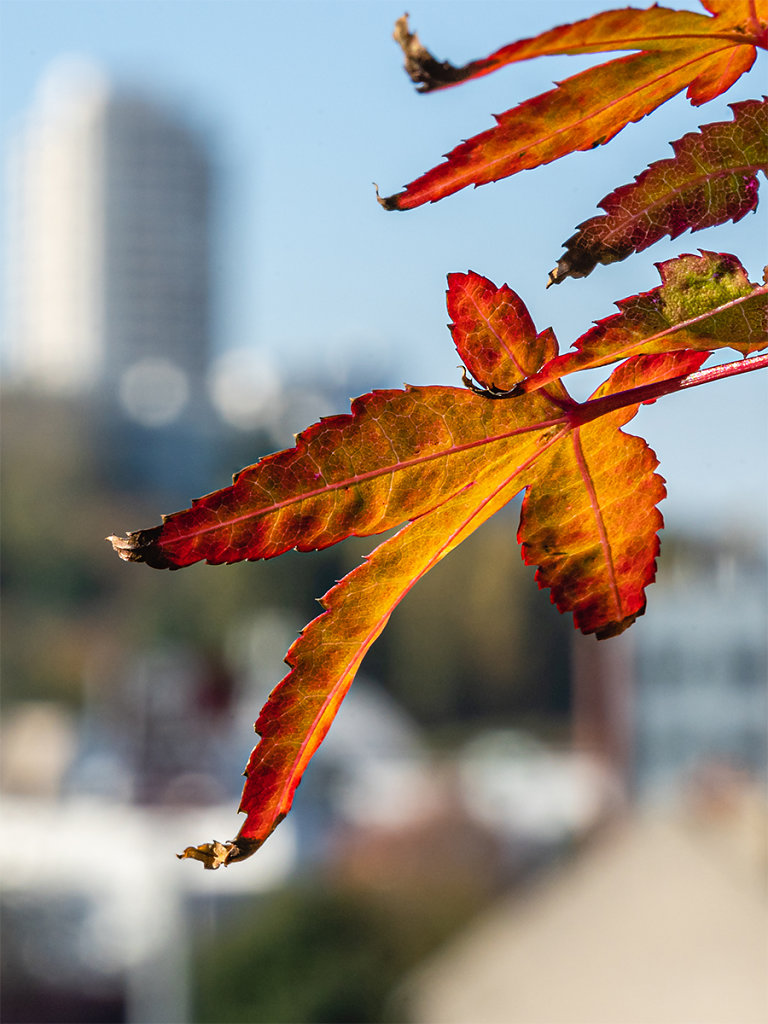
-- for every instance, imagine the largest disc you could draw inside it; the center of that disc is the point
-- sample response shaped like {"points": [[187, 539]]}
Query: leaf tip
{"points": [[572, 264], [211, 855], [141, 546], [215, 854], [554, 277], [422, 68], [388, 202]]}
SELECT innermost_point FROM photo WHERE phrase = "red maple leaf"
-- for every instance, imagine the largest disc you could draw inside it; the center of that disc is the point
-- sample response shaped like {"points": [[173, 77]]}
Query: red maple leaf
{"points": [[438, 462], [675, 51], [712, 178]]}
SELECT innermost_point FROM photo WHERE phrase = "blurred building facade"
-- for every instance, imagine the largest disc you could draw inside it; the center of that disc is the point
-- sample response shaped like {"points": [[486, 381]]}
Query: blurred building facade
{"points": [[681, 701], [701, 688], [109, 248]]}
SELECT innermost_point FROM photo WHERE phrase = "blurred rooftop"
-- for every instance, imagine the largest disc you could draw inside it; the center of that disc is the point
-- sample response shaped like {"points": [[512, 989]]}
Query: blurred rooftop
{"points": [[664, 919]]}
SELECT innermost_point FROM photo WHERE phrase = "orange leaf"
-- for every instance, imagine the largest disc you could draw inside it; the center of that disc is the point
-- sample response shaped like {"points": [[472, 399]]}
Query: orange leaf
{"points": [[396, 457], [704, 302], [443, 460], [677, 50], [597, 553], [493, 332], [327, 655], [589, 521], [711, 178]]}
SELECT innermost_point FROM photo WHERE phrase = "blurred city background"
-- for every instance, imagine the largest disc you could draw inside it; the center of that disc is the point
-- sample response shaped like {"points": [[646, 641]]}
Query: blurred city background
{"points": [[508, 822]]}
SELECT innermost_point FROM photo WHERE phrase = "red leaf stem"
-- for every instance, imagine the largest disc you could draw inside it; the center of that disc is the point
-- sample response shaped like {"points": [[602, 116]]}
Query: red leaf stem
{"points": [[646, 393]]}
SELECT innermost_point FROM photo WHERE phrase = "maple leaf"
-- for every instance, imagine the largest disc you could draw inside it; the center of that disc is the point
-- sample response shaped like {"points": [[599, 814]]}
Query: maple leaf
{"points": [[711, 179], [705, 302], [594, 533], [327, 655], [440, 460], [676, 50]]}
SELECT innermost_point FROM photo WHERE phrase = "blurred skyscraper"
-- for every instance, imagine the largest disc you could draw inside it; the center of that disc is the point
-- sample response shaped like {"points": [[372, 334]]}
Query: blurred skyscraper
{"points": [[108, 248]]}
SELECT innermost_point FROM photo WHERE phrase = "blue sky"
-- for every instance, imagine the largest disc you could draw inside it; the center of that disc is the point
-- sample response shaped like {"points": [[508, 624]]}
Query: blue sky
{"points": [[306, 104]]}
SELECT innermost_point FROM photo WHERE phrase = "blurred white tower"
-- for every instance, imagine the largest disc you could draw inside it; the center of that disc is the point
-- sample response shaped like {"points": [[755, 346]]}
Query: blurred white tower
{"points": [[108, 248]]}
